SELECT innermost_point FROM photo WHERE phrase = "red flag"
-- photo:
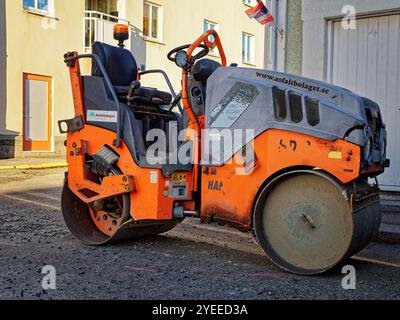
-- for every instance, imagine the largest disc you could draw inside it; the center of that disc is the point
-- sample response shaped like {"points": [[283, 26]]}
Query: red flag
{"points": [[260, 13]]}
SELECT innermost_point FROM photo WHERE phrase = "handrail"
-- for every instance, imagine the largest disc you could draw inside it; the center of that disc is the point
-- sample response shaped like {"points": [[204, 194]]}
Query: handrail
{"points": [[90, 14], [170, 86], [110, 86], [194, 120], [94, 23]]}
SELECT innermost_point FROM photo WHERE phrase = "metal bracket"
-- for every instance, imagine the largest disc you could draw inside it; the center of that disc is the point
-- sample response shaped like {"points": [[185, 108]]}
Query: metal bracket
{"points": [[73, 125]]}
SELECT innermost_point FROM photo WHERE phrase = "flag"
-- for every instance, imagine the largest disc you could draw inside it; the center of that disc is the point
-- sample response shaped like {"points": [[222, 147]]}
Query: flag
{"points": [[260, 13]]}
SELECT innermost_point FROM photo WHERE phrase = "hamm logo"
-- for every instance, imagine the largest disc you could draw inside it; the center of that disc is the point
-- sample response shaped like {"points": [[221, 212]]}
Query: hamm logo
{"points": [[102, 116]]}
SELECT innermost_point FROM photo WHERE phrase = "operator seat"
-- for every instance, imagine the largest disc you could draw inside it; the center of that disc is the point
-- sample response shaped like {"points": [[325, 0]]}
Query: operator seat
{"points": [[122, 70]]}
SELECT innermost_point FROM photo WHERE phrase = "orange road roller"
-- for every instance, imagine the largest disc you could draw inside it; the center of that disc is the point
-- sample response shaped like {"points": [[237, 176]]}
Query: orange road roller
{"points": [[293, 160]]}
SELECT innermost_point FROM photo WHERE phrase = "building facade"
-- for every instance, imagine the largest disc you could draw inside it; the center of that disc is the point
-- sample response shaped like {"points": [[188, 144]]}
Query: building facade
{"points": [[6, 145], [35, 91], [356, 44], [284, 50], [181, 22], [37, 85]]}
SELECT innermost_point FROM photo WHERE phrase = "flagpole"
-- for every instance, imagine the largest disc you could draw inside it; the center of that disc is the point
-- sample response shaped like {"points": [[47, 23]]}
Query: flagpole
{"points": [[279, 30]]}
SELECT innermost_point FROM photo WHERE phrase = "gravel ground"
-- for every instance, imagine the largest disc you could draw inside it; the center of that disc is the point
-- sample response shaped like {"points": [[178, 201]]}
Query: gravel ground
{"points": [[14, 176], [191, 262]]}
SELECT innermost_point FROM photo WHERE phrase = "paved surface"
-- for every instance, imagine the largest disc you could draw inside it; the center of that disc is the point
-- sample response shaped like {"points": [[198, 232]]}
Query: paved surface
{"points": [[391, 203], [30, 161], [191, 262]]}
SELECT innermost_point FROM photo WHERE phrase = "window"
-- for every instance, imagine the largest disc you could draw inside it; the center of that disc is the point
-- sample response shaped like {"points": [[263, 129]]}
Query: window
{"points": [[40, 6], [296, 107], [280, 103], [208, 25], [152, 21], [109, 7], [248, 48]]}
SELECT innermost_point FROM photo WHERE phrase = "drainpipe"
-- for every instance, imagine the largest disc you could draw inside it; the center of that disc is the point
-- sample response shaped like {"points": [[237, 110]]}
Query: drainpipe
{"points": [[274, 35], [277, 44]]}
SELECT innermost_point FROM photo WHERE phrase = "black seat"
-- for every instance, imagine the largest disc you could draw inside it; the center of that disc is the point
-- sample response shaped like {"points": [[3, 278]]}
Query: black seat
{"points": [[122, 70], [143, 96]]}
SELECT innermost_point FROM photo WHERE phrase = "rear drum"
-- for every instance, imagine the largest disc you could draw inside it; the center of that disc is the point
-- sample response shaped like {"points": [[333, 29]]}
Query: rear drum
{"points": [[99, 227]]}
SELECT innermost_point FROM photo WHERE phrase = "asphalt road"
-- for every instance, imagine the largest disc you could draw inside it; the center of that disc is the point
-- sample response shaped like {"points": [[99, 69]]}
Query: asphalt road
{"points": [[191, 262]]}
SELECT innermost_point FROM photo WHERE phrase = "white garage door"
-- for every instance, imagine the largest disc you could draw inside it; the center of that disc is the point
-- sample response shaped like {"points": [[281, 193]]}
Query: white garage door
{"points": [[367, 61]]}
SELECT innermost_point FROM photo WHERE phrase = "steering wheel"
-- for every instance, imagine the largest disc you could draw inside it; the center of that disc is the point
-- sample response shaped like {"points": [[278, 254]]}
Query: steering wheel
{"points": [[205, 51]]}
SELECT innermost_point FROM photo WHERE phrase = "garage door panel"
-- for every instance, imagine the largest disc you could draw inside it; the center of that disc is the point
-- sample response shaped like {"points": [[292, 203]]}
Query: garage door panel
{"points": [[351, 82], [382, 68], [397, 112], [372, 57], [336, 32], [362, 54], [392, 96], [367, 60], [342, 57]]}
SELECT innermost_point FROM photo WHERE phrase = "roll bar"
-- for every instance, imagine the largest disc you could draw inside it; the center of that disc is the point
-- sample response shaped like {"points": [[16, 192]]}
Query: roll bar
{"points": [[70, 60]]}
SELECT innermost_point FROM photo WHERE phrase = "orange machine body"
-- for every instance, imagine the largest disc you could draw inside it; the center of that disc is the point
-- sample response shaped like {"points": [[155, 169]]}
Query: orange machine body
{"points": [[229, 198], [221, 194]]}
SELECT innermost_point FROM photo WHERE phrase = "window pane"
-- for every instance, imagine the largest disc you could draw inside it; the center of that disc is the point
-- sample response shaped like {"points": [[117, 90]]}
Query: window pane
{"points": [[114, 8], [248, 48], [146, 17], [210, 26], [42, 4], [102, 6], [154, 24], [243, 47], [29, 4]]}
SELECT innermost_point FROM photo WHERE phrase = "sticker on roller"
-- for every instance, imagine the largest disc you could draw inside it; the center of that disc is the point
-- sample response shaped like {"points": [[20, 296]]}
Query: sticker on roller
{"points": [[179, 178], [153, 177], [102, 116], [335, 155], [233, 105]]}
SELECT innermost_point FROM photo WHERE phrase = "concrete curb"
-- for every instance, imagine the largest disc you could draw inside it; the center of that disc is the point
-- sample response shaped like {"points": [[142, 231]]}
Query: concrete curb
{"points": [[389, 234], [35, 166]]}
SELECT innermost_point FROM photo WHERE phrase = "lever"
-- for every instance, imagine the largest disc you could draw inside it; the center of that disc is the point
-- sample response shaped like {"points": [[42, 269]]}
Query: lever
{"points": [[176, 101]]}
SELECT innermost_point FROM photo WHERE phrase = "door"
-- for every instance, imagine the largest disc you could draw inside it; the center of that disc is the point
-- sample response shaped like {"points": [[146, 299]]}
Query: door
{"points": [[37, 131], [367, 61]]}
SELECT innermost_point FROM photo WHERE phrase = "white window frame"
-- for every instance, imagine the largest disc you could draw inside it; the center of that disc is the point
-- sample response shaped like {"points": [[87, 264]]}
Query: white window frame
{"points": [[251, 49], [213, 52], [48, 12], [160, 23]]}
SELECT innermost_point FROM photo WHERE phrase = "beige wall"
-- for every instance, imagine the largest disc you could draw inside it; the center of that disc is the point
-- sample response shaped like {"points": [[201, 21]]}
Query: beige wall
{"points": [[183, 23], [36, 45], [3, 68]]}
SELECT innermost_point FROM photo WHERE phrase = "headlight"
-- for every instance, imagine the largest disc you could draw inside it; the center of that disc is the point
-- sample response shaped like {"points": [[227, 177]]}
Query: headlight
{"points": [[182, 59]]}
